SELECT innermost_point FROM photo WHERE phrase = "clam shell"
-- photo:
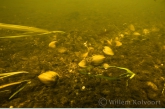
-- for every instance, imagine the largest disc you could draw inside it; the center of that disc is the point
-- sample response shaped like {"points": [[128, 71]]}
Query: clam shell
{"points": [[146, 31], [49, 78], [97, 59], [118, 43], [52, 44], [85, 55], [108, 51], [82, 63], [62, 50], [136, 34], [131, 27], [152, 86], [106, 66]]}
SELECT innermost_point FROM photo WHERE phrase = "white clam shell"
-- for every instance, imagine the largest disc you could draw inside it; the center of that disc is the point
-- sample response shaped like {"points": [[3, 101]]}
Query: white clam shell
{"points": [[108, 51], [49, 78], [97, 59]]}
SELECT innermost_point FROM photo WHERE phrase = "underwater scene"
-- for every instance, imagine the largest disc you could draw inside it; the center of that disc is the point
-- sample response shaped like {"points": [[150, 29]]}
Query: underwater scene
{"points": [[82, 53]]}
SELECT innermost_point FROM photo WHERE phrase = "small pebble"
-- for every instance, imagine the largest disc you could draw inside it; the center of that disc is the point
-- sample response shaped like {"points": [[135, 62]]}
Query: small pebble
{"points": [[83, 87]]}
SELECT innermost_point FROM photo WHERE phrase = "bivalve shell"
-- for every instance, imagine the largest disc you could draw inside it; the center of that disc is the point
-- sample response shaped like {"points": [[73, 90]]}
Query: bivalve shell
{"points": [[146, 31], [108, 51], [118, 43], [52, 44], [82, 63], [106, 66], [136, 34], [85, 55], [97, 59], [152, 86], [62, 50], [131, 27], [49, 78]]}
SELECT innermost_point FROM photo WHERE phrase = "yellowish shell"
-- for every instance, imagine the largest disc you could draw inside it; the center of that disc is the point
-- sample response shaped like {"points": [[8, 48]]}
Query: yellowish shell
{"points": [[146, 31], [131, 27], [136, 34], [90, 49], [62, 50], [52, 44], [108, 51], [97, 59], [106, 66], [109, 41], [49, 78], [118, 43], [152, 85], [85, 55], [82, 63]]}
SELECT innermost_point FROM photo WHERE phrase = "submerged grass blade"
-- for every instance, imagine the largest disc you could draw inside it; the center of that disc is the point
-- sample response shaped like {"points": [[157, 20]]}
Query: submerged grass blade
{"points": [[128, 73], [83, 71], [11, 84], [21, 88], [36, 31], [22, 28], [4, 75], [34, 34], [14, 36]]}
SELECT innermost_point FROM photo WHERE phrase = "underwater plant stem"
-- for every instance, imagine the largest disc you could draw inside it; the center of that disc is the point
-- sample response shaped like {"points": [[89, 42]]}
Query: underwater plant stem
{"points": [[22, 28], [11, 84], [35, 30], [28, 82], [4, 75], [100, 76]]}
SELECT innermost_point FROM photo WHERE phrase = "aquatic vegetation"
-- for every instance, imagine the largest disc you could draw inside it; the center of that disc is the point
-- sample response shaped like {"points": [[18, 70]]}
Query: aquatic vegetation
{"points": [[128, 74], [22, 84], [30, 31], [84, 72], [4, 75]]}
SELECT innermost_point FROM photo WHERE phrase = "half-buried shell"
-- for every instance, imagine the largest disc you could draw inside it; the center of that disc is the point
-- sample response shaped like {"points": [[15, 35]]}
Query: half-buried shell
{"points": [[49, 78], [97, 59]]}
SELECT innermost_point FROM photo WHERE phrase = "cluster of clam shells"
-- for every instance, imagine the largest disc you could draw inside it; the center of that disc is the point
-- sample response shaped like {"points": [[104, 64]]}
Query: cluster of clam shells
{"points": [[53, 44], [131, 30], [96, 59]]}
